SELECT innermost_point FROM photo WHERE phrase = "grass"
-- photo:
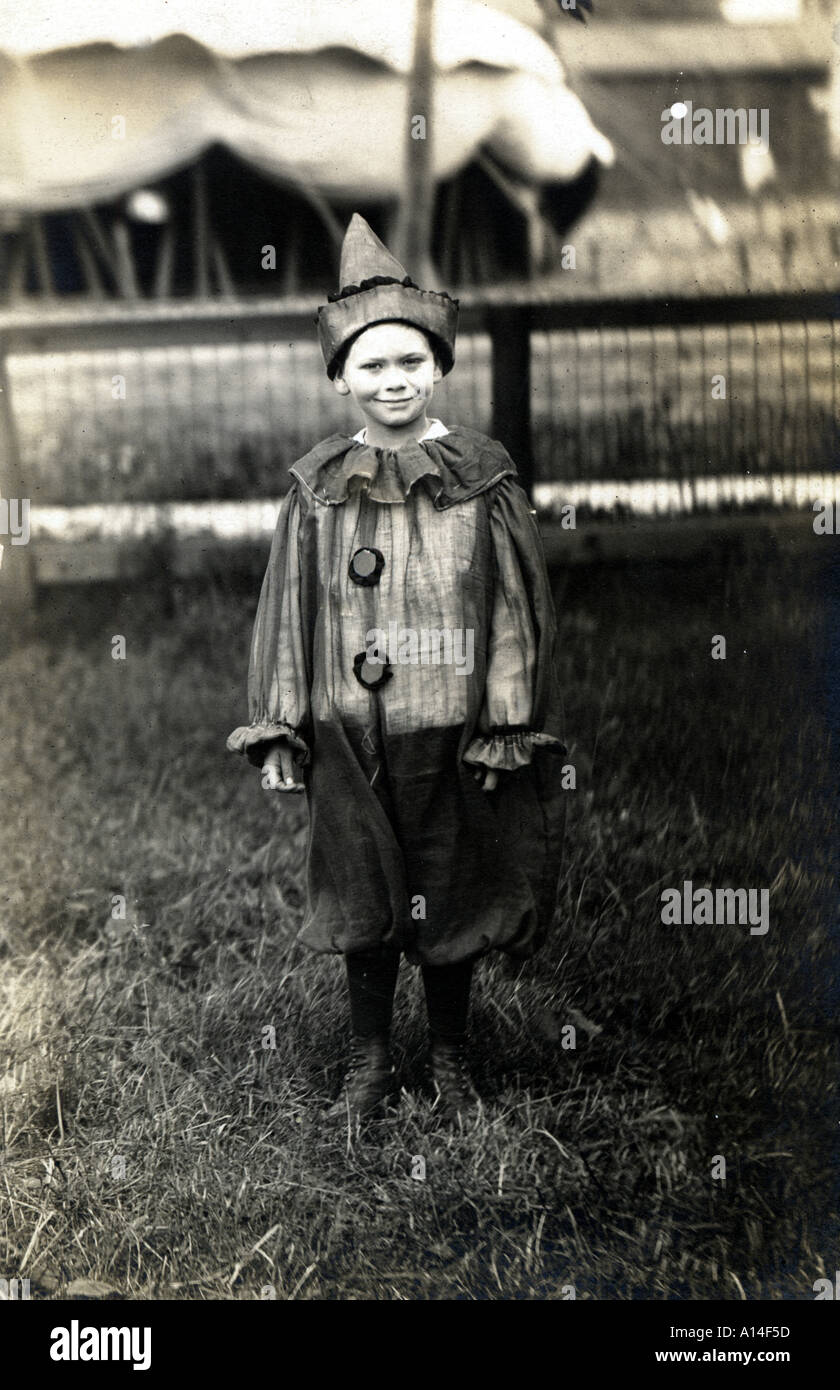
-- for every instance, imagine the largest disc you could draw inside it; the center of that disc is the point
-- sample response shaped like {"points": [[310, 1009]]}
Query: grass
{"points": [[153, 1144]]}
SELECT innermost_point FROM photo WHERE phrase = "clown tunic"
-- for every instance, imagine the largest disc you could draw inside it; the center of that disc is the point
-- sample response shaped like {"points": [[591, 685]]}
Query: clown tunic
{"points": [[405, 635]]}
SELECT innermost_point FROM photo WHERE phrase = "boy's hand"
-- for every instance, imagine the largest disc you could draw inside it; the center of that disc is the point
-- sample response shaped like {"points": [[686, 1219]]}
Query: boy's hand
{"points": [[487, 776], [278, 770]]}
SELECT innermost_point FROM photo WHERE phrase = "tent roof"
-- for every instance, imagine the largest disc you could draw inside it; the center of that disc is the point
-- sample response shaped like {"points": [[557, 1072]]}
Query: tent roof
{"points": [[83, 123], [466, 31]]}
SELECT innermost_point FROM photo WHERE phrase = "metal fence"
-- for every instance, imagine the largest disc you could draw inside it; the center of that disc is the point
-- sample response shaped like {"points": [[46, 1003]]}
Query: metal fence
{"points": [[609, 403], [156, 405]]}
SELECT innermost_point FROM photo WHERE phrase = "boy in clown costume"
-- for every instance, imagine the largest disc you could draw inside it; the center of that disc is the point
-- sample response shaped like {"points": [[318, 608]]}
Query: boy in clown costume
{"points": [[403, 677]]}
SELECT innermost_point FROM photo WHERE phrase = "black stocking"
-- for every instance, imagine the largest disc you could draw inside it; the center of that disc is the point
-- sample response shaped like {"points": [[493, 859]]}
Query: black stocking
{"points": [[448, 999], [372, 980]]}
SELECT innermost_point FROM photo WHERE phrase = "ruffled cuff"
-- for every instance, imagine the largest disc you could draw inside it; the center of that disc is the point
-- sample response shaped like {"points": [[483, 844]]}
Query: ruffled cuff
{"points": [[248, 738], [508, 751]]}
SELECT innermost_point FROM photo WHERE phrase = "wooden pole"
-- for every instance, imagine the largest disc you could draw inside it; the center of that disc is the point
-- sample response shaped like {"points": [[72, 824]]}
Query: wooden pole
{"points": [[200, 231], [510, 337], [126, 274], [100, 241], [17, 580], [165, 260], [94, 288], [42, 258], [414, 221], [19, 262]]}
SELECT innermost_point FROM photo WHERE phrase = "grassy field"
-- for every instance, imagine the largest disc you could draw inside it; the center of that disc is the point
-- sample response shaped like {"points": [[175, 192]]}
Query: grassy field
{"points": [[152, 1144]]}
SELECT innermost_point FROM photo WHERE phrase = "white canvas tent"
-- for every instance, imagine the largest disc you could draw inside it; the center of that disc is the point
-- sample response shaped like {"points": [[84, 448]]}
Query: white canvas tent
{"points": [[313, 95]]}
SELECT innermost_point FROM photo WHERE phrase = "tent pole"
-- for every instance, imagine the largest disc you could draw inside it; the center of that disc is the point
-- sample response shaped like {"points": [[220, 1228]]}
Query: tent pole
{"points": [[126, 277], [200, 230], [19, 262], [225, 283], [100, 242], [163, 268], [414, 221], [87, 260], [42, 258]]}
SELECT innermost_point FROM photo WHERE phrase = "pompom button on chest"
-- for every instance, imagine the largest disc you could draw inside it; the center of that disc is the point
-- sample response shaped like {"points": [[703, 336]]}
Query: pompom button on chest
{"points": [[366, 565]]}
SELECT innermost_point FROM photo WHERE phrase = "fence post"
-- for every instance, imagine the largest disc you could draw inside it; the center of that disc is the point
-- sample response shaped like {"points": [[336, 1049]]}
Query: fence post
{"points": [[510, 339], [17, 581]]}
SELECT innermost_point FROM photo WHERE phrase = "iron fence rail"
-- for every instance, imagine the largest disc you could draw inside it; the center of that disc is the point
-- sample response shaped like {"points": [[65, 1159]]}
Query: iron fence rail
{"points": [[162, 403]]}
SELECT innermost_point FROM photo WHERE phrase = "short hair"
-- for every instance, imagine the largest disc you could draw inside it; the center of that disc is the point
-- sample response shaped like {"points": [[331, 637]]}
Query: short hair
{"points": [[338, 363]]}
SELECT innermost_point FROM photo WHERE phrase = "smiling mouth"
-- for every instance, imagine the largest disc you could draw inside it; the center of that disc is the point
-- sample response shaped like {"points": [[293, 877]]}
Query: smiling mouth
{"points": [[404, 400]]}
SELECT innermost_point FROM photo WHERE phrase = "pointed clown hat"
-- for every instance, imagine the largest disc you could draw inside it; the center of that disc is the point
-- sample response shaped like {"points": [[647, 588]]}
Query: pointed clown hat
{"points": [[376, 289]]}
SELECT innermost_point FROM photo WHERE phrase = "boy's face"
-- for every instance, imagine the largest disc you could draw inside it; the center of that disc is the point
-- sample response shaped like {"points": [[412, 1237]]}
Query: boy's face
{"points": [[390, 372]]}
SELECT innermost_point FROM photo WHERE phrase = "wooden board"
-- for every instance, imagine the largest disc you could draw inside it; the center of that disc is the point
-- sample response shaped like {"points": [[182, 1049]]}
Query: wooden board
{"points": [[93, 561], [602, 49]]}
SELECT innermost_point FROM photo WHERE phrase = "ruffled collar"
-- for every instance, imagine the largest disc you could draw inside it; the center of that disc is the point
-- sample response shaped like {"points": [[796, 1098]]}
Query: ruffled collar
{"points": [[452, 468]]}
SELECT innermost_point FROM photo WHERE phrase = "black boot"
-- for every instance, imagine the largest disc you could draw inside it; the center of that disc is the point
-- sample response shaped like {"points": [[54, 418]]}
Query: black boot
{"points": [[368, 1082], [456, 1093], [447, 1000]]}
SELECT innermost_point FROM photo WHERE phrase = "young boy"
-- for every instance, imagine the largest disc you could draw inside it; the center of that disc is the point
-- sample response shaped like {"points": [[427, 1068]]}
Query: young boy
{"points": [[403, 675]]}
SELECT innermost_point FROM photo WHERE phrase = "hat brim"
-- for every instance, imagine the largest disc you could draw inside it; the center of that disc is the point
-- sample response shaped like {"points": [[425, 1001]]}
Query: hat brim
{"points": [[344, 319]]}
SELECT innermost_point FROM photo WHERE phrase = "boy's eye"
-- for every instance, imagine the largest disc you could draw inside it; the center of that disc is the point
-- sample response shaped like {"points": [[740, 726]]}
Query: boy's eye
{"points": [[406, 362]]}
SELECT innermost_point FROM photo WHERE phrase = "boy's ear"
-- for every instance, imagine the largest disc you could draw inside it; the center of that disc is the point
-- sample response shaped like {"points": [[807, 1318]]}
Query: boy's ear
{"points": [[341, 386], [437, 375]]}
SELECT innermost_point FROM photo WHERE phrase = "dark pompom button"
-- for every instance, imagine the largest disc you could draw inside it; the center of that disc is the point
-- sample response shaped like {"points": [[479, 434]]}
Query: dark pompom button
{"points": [[366, 565], [371, 674]]}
